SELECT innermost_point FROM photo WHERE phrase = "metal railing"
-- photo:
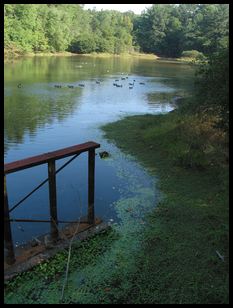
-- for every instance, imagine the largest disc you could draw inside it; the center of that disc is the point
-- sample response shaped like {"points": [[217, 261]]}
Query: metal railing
{"points": [[50, 159]]}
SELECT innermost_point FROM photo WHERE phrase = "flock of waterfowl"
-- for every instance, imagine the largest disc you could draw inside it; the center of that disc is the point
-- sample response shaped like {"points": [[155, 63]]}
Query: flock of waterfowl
{"points": [[69, 86], [116, 83]]}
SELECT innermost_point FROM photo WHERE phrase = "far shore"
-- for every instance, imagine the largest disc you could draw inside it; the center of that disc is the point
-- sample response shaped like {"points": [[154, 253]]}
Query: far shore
{"points": [[98, 55]]}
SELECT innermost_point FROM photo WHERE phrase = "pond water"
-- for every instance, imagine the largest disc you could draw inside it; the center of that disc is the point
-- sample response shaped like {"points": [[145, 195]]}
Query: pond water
{"points": [[39, 117]]}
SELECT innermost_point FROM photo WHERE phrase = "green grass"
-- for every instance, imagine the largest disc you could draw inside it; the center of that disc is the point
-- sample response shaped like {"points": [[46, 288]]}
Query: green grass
{"points": [[167, 256], [178, 262]]}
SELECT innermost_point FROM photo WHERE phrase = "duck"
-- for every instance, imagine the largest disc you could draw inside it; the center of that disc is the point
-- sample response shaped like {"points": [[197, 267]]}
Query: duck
{"points": [[19, 85], [104, 154], [81, 85], [70, 86], [57, 86], [141, 82]]}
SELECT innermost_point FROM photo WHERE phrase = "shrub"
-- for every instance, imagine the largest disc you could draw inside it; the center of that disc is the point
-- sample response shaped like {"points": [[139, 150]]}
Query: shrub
{"points": [[192, 54], [83, 44], [200, 143]]}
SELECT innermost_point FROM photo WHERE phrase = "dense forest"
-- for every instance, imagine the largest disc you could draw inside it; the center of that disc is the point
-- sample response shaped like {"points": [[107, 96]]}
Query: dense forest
{"points": [[167, 30]]}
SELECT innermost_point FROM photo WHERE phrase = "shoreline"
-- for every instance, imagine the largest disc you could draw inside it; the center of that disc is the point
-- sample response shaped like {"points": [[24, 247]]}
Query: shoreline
{"points": [[186, 243], [99, 55]]}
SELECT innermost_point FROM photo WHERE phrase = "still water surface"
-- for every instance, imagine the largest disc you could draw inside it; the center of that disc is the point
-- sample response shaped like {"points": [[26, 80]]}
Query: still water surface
{"points": [[39, 117]]}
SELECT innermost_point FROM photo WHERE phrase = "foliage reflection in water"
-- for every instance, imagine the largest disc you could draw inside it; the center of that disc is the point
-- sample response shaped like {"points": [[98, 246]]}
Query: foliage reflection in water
{"points": [[40, 117]]}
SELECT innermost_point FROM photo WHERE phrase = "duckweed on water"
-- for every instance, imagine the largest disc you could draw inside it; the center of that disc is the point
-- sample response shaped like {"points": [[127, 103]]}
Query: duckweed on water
{"points": [[99, 267]]}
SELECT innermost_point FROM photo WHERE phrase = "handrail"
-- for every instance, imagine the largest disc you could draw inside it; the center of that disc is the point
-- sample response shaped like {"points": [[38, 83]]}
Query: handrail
{"points": [[50, 159], [41, 184], [44, 158]]}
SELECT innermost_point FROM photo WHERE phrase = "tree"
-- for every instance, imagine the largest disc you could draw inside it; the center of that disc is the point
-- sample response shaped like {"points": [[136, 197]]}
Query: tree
{"points": [[163, 29], [83, 44], [208, 28], [212, 87]]}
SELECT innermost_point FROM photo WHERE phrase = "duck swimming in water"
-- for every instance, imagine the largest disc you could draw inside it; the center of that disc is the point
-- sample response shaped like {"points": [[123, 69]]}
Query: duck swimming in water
{"points": [[104, 154]]}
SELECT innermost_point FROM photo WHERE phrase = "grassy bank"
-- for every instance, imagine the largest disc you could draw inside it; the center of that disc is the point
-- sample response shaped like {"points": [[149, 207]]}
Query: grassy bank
{"points": [[12, 53], [184, 256], [125, 55], [182, 60]]}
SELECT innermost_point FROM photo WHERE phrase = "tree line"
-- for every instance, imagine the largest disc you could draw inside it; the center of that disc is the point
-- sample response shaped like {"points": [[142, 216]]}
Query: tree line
{"points": [[164, 29]]}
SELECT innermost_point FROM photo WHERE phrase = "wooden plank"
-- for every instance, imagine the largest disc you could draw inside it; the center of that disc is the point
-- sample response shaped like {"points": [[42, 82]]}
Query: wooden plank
{"points": [[91, 186], [46, 157], [53, 199], [10, 256], [43, 220]]}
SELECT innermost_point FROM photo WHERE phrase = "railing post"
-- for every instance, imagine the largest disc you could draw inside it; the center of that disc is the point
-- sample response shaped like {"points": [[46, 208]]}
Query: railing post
{"points": [[10, 257], [91, 186], [53, 199]]}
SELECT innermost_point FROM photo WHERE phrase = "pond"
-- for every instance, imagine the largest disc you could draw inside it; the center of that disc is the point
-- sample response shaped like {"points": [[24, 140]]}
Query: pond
{"points": [[56, 102]]}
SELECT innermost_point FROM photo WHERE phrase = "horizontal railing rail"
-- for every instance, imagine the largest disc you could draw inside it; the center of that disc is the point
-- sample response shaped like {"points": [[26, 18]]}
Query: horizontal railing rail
{"points": [[46, 157], [50, 159], [41, 184]]}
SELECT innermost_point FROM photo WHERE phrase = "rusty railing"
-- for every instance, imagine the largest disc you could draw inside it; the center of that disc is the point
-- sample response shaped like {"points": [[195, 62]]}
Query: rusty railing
{"points": [[50, 159]]}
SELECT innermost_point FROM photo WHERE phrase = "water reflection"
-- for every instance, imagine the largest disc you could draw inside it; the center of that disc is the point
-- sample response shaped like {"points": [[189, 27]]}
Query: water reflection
{"points": [[39, 117], [26, 111], [38, 102]]}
